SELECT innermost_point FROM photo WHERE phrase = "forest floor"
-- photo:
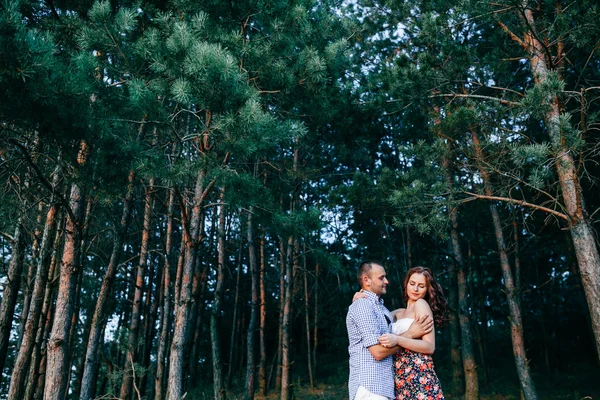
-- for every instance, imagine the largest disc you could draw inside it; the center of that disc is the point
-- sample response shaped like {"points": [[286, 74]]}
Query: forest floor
{"points": [[573, 383], [340, 392]]}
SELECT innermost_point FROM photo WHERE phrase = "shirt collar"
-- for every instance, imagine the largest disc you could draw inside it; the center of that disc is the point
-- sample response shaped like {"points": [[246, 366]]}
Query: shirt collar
{"points": [[372, 296]]}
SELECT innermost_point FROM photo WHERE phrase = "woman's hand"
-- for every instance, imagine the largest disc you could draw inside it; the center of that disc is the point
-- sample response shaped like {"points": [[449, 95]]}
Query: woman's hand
{"points": [[359, 295], [388, 340]]}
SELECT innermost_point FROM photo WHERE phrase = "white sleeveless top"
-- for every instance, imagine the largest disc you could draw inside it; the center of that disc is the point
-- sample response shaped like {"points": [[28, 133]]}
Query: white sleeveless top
{"points": [[401, 326]]}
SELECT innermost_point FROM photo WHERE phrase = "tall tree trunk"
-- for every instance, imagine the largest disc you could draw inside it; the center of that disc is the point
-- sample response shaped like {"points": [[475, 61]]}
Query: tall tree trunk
{"points": [[516, 323], [37, 376], [234, 330], [282, 271], [286, 325], [167, 301], [57, 350], [581, 230], [183, 304], [262, 374], [11, 289], [458, 373], [90, 368], [254, 310], [466, 335], [31, 271], [307, 324], [315, 319], [22, 363], [136, 311], [219, 391]]}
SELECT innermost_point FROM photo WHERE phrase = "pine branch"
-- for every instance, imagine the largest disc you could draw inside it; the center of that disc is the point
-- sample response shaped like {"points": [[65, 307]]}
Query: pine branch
{"points": [[477, 96], [521, 203], [42, 178], [513, 36]]}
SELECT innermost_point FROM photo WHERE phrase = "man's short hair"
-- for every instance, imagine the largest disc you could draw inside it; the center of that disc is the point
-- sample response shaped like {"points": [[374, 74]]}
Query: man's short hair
{"points": [[364, 269]]}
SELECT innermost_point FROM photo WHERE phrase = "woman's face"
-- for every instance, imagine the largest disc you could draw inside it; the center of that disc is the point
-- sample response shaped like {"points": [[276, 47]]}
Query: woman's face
{"points": [[417, 287]]}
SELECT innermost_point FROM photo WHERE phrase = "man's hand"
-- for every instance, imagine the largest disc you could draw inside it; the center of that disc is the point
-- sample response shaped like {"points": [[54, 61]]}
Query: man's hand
{"points": [[421, 326]]}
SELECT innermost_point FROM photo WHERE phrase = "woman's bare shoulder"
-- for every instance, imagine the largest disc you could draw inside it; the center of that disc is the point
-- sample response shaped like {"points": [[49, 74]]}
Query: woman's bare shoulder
{"points": [[422, 305]]}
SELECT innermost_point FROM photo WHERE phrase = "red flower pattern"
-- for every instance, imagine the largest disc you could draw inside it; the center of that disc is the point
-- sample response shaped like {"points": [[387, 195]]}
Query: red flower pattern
{"points": [[415, 378]]}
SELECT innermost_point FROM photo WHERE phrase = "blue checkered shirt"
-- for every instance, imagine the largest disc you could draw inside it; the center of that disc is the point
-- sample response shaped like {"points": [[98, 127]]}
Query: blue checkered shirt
{"points": [[366, 321]]}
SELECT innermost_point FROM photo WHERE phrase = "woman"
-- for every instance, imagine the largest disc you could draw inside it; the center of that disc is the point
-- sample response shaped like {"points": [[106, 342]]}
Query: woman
{"points": [[414, 374]]}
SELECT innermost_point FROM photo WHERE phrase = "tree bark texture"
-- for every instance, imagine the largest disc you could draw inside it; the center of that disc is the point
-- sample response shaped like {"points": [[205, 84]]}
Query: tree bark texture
{"points": [[252, 328], [57, 349], [11, 289], [22, 363], [183, 303], [167, 301]]}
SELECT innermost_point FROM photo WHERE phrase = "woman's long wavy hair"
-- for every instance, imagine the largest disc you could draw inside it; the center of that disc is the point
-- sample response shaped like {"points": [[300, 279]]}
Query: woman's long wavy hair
{"points": [[434, 296]]}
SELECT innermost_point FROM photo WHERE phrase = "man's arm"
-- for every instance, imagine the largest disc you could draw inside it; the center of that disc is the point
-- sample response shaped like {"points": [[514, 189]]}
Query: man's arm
{"points": [[379, 352], [364, 317]]}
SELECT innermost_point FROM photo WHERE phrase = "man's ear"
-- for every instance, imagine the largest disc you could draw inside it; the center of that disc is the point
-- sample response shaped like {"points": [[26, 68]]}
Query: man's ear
{"points": [[365, 280]]}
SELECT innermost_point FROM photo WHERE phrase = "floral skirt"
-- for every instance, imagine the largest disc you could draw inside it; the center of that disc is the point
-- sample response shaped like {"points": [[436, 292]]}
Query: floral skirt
{"points": [[415, 378]]}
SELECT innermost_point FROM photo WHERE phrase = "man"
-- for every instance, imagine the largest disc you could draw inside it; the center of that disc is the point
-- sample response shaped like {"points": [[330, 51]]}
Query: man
{"points": [[371, 373]]}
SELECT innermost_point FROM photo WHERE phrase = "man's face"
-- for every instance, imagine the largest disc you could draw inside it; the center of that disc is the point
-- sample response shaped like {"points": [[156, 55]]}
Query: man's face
{"points": [[376, 280]]}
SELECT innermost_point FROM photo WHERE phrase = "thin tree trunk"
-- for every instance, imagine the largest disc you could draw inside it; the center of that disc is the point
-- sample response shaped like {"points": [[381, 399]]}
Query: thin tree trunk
{"points": [[316, 319], [307, 325], [11, 289], [136, 311], [262, 374], [466, 335], [219, 391], [254, 311], [516, 323], [167, 301], [234, 330], [37, 374], [22, 363], [285, 330], [458, 373], [99, 319], [31, 271], [282, 270]]}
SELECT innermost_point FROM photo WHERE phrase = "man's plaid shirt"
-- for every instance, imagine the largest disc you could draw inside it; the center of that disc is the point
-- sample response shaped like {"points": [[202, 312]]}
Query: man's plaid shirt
{"points": [[366, 321]]}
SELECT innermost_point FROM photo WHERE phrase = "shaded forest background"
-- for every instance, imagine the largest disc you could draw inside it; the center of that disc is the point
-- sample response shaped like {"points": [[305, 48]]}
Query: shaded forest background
{"points": [[189, 186]]}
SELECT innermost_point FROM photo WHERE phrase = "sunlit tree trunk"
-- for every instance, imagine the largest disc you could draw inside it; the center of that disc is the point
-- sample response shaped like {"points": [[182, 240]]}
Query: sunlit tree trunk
{"points": [[58, 351], [582, 233]]}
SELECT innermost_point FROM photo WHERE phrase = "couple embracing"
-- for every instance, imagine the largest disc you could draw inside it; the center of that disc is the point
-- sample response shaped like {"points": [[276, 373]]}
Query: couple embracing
{"points": [[390, 352]]}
